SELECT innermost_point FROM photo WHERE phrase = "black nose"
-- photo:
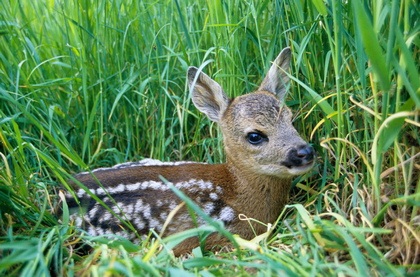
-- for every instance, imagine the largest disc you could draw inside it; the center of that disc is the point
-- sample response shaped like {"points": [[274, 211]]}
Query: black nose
{"points": [[301, 155], [305, 152]]}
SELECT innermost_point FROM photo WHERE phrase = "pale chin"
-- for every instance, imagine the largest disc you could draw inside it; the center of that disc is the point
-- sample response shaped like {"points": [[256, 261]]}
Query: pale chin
{"points": [[283, 171], [299, 170]]}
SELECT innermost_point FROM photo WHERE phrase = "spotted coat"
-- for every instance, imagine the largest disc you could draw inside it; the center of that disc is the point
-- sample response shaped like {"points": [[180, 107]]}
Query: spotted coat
{"points": [[263, 153]]}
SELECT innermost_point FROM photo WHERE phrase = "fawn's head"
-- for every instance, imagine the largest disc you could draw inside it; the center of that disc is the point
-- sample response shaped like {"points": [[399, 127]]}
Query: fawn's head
{"points": [[258, 133]]}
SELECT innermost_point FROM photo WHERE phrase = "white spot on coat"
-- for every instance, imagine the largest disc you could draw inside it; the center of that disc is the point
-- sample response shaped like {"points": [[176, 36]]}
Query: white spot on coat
{"points": [[214, 196], [132, 187], [208, 208], [227, 214], [139, 223], [117, 189]]}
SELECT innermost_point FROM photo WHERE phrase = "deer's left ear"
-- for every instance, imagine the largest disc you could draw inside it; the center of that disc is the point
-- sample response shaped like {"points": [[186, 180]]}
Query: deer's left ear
{"points": [[276, 81]]}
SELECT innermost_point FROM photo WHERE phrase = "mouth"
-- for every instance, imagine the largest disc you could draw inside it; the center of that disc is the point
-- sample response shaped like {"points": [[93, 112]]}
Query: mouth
{"points": [[301, 169]]}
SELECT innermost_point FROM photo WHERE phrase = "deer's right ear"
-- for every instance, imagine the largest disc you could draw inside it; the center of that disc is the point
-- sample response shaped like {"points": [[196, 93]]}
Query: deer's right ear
{"points": [[206, 94]]}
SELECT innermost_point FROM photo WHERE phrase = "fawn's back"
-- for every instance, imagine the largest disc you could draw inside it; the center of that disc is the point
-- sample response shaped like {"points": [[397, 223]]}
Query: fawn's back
{"points": [[263, 152]]}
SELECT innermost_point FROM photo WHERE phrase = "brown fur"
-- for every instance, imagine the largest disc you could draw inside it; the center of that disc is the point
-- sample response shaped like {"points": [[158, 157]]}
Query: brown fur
{"points": [[257, 176]]}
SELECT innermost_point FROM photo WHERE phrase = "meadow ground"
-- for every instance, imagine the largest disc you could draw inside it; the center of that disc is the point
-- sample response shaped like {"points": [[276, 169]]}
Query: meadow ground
{"points": [[86, 84]]}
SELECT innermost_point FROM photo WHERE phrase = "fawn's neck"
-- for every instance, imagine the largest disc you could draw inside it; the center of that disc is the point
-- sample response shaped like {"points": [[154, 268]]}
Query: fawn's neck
{"points": [[268, 194]]}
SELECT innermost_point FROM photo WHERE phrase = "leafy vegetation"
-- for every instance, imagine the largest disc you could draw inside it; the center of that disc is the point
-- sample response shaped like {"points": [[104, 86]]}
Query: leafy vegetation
{"points": [[86, 84]]}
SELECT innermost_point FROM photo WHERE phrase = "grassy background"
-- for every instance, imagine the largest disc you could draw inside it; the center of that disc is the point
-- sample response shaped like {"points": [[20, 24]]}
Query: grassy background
{"points": [[85, 84]]}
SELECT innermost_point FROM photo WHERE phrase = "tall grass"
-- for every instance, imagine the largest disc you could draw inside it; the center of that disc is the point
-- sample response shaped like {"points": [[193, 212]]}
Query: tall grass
{"points": [[85, 84]]}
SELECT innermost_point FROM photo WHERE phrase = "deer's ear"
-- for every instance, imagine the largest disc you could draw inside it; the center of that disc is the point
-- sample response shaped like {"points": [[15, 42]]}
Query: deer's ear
{"points": [[206, 94], [276, 81]]}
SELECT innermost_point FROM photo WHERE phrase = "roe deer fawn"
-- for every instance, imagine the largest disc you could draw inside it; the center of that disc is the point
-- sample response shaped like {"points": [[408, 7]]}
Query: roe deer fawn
{"points": [[263, 151]]}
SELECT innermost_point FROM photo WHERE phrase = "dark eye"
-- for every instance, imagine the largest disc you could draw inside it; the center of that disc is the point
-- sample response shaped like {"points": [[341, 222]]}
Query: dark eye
{"points": [[255, 138]]}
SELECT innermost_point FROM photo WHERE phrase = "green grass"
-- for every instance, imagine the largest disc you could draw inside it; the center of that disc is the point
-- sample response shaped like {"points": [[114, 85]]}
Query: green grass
{"points": [[86, 84]]}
